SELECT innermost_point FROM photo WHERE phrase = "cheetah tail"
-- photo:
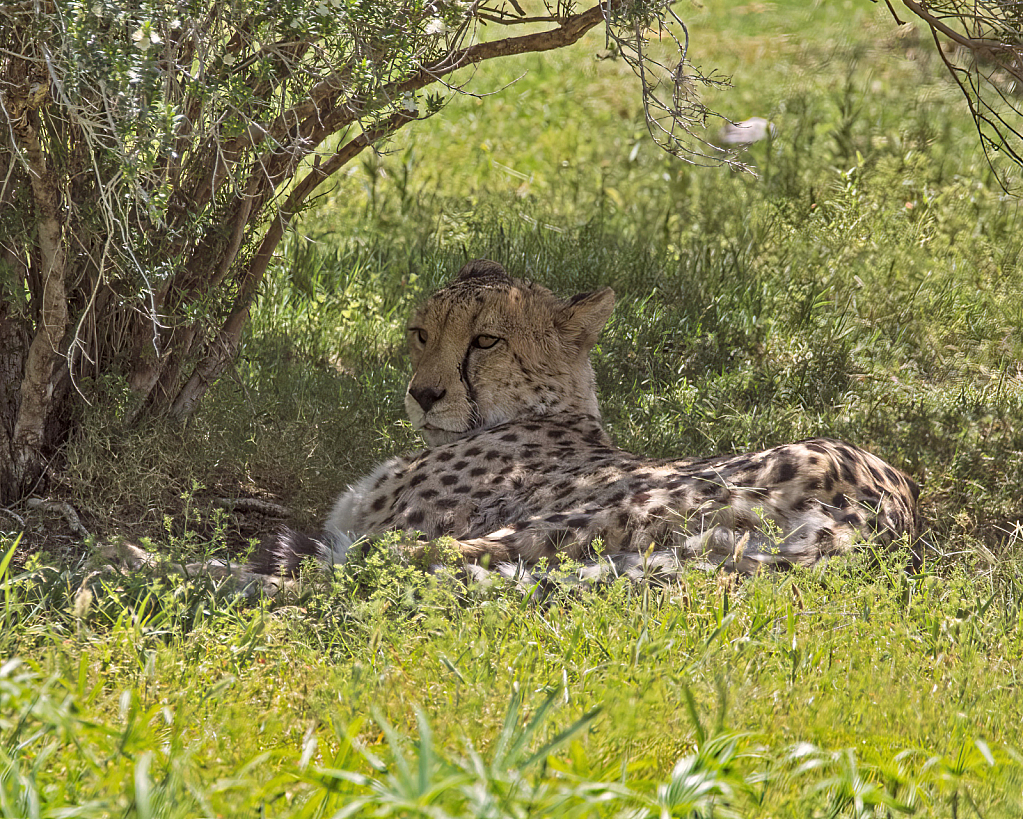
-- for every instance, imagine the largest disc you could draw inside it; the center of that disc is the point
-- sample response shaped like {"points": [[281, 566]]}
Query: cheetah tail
{"points": [[284, 552]]}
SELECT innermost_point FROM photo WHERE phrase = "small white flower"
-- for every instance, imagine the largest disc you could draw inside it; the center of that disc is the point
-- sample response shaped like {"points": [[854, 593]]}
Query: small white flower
{"points": [[408, 102], [229, 59], [97, 9], [436, 26], [144, 37]]}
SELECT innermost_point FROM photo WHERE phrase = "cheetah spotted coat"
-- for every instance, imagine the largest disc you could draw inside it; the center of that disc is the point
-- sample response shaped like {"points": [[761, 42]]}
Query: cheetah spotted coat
{"points": [[520, 469]]}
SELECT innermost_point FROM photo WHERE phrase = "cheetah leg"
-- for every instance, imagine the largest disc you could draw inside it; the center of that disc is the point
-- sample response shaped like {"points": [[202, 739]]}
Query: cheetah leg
{"points": [[697, 540]]}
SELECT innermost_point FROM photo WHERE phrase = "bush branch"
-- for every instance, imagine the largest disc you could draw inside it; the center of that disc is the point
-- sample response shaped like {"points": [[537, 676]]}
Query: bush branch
{"points": [[44, 352]]}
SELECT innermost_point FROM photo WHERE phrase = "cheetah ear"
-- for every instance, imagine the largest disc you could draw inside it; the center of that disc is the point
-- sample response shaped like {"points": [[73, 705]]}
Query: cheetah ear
{"points": [[582, 318]]}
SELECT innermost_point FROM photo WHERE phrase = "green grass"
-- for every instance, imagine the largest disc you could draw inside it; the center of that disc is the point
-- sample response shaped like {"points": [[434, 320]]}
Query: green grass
{"points": [[864, 286], [390, 688]]}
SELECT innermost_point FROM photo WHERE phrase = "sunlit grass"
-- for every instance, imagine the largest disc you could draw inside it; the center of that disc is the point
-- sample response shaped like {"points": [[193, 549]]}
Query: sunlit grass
{"points": [[781, 693], [864, 286]]}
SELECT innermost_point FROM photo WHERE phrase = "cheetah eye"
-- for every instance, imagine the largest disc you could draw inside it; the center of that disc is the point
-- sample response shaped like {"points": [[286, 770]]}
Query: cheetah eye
{"points": [[417, 335], [485, 342]]}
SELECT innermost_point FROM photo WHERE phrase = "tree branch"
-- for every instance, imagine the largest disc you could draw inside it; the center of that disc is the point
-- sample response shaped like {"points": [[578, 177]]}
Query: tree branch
{"points": [[982, 46], [43, 354], [222, 350], [329, 94]]}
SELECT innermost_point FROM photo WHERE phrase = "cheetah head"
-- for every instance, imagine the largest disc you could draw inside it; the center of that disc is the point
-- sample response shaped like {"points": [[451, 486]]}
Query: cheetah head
{"points": [[488, 349]]}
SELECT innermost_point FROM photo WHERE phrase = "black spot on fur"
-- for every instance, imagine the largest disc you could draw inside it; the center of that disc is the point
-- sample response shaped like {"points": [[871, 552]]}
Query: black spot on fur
{"points": [[472, 452], [459, 465], [510, 437], [428, 494], [415, 517], [444, 455], [870, 501], [449, 480], [476, 471], [848, 474], [838, 501], [557, 538], [447, 503], [378, 503], [785, 472]]}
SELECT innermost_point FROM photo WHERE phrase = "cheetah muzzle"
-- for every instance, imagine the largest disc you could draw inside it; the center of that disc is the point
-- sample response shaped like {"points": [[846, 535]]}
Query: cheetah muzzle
{"points": [[519, 467]]}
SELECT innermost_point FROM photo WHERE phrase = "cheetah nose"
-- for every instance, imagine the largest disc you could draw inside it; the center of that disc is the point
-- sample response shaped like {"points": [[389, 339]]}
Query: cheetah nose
{"points": [[426, 397]]}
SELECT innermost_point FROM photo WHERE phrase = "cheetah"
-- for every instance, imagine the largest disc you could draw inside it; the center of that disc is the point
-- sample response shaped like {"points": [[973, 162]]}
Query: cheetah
{"points": [[519, 469]]}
